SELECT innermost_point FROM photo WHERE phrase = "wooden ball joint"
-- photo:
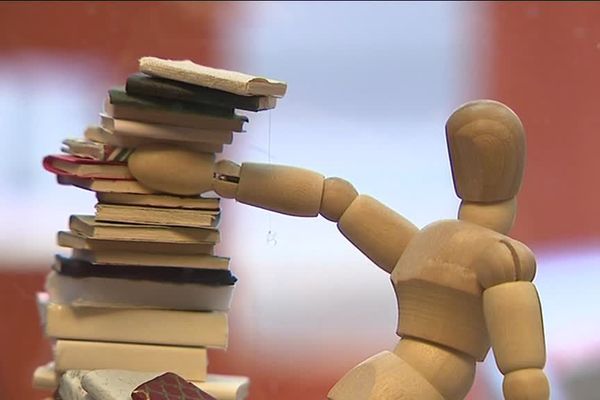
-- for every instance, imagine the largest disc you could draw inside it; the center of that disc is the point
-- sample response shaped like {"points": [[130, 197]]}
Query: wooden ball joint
{"points": [[462, 285]]}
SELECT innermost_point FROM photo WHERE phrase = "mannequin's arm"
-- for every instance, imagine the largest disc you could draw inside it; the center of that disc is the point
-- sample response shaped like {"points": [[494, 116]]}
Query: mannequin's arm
{"points": [[376, 230], [513, 317]]}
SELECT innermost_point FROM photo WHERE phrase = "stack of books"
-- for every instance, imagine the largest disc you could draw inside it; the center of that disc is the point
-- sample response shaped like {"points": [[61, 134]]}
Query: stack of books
{"points": [[142, 290]]}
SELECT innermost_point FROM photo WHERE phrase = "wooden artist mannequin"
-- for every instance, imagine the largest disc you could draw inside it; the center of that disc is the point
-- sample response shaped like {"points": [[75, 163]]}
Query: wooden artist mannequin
{"points": [[462, 285]]}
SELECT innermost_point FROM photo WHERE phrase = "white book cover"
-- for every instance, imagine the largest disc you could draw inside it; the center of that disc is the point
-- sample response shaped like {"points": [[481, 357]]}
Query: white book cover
{"points": [[188, 362], [136, 325]]}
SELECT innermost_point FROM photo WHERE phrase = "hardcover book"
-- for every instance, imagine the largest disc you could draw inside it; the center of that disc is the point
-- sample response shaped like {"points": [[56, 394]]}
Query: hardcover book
{"points": [[159, 200], [122, 105], [78, 268], [156, 216], [74, 240], [169, 327], [164, 132], [87, 225], [101, 135], [104, 185], [214, 78], [80, 147], [189, 362], [136, 293], [116, 257], [86, 168], [144, 85]]}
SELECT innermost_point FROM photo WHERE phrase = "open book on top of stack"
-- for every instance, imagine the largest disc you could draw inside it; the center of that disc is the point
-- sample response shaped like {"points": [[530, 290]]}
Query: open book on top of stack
{"points": [[142, 290]]}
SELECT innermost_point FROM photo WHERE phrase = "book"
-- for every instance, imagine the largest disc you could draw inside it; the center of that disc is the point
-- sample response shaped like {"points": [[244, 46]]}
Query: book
{"points": [[100, 135], [86, 168], [120, 104], [156, 216], [164, 132], [119, 95], [131, 325], [86, 225], [168, 249], [189, 362], [104, 185], [115, 257], [214, 78], [143, 85], [169, 386], [159, 200], [213, 272], [111, 384], [218, 275], [135, 293], [85, 148]]}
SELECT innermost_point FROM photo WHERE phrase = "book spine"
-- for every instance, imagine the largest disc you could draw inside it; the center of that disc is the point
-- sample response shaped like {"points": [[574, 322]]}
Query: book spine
{"points": [[116, 292], [179, 328], [147, 86], [165, 132], [117, 153], [188, 362]]}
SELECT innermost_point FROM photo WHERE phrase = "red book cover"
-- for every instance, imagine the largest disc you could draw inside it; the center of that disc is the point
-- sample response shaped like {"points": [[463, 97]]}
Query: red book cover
{"points": [[67, 165], [169, 386]]}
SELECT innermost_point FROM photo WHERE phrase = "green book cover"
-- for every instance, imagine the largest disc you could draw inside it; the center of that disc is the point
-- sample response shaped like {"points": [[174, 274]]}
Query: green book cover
{"points": [[144, 85], [118, 96]]}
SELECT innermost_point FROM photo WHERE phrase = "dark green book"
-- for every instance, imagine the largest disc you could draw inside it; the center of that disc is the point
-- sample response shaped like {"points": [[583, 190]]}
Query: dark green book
{"points": [[143, 85], [122, 105]]}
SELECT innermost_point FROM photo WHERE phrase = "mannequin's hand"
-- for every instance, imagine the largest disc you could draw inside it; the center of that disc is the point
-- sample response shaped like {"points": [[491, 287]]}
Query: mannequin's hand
{"points": [[173, 169]]}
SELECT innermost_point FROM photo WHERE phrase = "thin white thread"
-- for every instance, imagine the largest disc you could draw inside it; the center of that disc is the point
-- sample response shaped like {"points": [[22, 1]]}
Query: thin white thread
{"points": [[271, 236], [269, 143]]}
